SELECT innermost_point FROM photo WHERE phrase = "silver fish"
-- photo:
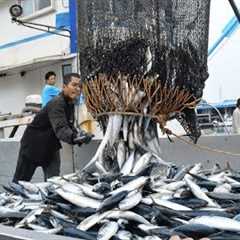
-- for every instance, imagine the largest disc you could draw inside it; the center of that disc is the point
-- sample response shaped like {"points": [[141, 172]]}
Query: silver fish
{"points": [[152, 238], [105, 140], [107, 231], [121, 154], [128, 215], [162, 194], [196, 169], [224, 196], [138, 97], [141, 163], [222, 223], [100, 167], [124, 235], [171, 205], [132, 200], [152, 143], [219, 178], [136, 134], [116, 127], [131, 143], [31, 217], [87, 190], [6, 212], [147, 228], [122, 222], [125, 128], [58, 181], [73, 188], [60, 215], [32, 205], [181, 173], [43, 187], [148, 60], [147, 200], [36, 227], [51, 231], [196, 190], [132, 185], [231, 180], [92, 220], [174, 186], [223, 188], [78, 200], [32, 188], [128, 165]]}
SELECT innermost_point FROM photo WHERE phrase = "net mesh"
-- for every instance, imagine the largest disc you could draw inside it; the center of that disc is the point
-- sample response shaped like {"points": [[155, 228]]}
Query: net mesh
{"points": [[163, 39]]}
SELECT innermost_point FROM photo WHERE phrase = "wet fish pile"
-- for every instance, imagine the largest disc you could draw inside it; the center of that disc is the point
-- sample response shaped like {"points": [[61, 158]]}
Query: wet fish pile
{"points": [[140, 204]]}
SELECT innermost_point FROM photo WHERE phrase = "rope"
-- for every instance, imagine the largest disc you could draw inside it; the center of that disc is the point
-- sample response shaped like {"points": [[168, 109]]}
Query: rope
{"points": [[201, 147], [126, 114], [169, 132]]}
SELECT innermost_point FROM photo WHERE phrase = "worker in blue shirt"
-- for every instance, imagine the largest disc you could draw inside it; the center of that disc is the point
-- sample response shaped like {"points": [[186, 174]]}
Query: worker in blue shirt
{"points": [[49, 91]]}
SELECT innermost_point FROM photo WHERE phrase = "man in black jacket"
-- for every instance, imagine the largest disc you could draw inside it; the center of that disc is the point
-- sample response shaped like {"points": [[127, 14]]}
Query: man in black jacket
{"points": [[40, 143]]}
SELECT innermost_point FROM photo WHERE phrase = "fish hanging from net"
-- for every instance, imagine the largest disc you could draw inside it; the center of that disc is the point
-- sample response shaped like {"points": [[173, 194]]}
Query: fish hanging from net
{"points": [[145, 56]]}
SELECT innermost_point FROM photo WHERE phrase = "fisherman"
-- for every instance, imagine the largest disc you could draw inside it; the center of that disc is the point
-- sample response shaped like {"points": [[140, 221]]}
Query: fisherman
{"points": [[49, 91], [236, 118], [40, 143]]}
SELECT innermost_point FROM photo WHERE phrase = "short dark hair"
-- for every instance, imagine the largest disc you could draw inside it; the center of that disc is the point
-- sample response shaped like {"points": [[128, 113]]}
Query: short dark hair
{"points": [[68, 77], [49, 74], [238, 103]]}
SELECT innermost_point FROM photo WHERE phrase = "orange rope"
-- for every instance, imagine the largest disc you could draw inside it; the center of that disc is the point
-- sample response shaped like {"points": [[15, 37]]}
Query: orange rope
{"points": [[201, 147]]}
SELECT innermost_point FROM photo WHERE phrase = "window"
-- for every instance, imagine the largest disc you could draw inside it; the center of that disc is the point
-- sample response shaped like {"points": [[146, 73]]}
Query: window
{"points": [[65, 3], [66, 68], [35, 7], [40, 4]]}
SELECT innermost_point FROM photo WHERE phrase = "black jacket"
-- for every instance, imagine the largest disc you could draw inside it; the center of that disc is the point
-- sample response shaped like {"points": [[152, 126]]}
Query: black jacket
{"points": [[53, 123]]}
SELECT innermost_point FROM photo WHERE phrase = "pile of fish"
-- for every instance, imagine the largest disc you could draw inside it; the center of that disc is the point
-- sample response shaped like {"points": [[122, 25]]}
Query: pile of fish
{"points": [[168, 200], [130, 194]]}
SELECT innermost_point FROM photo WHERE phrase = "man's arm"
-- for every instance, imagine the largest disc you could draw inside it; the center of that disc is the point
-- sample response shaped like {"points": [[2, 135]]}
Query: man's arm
{"points": [[53, 91], [48, 93], [58, 120], [234, 122], [238, 121]]}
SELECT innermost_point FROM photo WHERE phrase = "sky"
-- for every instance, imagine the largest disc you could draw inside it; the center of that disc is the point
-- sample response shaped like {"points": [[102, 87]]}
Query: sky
{"points": [[223, 65]]}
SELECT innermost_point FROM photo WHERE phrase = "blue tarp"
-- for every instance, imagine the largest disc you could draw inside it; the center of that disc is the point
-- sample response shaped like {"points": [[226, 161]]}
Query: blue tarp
{"points": [[224, 104]]}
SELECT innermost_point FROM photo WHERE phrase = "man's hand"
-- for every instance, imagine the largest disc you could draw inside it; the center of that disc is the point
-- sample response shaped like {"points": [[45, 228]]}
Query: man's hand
{"points": [[83, 137]]}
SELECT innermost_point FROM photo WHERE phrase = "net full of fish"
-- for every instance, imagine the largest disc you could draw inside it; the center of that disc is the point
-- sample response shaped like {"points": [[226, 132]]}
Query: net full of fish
{"points": [[144, 56], [155, 203]]}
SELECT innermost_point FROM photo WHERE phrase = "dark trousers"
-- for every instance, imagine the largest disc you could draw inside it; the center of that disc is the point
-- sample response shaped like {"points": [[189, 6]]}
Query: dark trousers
{"points": [[26, 167]]}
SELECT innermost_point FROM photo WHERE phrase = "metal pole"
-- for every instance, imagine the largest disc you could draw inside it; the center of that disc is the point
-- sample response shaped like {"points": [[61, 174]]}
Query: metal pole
{"points": [[225, 127], [73, 24], [235, 9]]}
